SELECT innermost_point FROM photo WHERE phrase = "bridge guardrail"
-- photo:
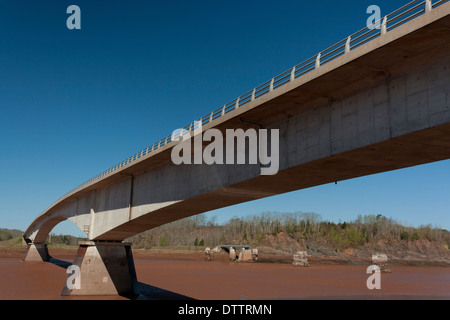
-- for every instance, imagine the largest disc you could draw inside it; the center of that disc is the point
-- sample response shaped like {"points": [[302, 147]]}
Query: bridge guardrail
{"points": [[393, 20]]}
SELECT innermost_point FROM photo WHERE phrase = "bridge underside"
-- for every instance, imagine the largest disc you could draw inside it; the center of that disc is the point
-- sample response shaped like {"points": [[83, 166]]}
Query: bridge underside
{"points": [[387, 110], [383, 106], [413, 149]]}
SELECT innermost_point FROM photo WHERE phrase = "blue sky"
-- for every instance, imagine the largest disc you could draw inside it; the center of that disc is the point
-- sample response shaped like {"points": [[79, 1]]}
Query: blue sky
{"points": [[76, 102]]}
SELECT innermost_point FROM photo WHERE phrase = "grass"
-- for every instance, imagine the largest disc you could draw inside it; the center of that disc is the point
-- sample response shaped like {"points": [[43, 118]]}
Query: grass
{"points": [[16, 242]]}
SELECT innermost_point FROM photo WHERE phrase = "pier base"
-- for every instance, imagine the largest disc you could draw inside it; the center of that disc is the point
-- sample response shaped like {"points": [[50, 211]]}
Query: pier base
{"points": [[37, 252], [300, 259], [102, 268], [381, 260]]}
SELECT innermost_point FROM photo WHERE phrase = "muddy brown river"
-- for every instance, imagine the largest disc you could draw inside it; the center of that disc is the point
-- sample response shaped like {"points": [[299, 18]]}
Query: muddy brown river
{"points": [[186, 276]]}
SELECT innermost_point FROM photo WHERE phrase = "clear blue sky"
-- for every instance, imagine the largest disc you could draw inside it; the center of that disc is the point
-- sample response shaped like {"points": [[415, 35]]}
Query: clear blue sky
{"points": [[75, 102]]}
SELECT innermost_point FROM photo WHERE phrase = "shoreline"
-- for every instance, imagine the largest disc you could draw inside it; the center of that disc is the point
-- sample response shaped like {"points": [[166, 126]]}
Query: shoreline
{"points": [[69, 252]]}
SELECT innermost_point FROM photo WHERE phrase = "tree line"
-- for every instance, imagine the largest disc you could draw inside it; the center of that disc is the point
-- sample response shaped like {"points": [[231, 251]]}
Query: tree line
{"points": [[301, 227]]}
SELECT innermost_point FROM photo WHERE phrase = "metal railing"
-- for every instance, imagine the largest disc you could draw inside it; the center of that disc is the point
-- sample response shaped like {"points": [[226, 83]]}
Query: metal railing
{"points": [[393, 20]]}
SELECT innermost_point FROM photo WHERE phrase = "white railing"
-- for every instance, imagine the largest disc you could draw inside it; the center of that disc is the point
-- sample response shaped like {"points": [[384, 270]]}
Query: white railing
{"points": [[400, 16]]}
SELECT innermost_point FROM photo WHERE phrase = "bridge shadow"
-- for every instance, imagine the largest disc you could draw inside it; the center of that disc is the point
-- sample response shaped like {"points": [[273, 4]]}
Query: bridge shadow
{"points": [[60, 263], [146, 291]]}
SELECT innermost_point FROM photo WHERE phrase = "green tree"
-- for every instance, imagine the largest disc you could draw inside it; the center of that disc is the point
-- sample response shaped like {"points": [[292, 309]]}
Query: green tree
{"points": [[404, 235], [415, 235], [163, 241]]}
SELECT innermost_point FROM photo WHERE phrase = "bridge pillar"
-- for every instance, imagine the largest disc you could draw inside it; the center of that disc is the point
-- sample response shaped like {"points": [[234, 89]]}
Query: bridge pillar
{"points": [[105, 268], [36, 252]]}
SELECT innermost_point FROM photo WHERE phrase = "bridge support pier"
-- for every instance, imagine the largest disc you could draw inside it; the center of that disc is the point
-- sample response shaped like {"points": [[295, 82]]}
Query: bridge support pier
{"points": [[37, 252], [104, 268]]}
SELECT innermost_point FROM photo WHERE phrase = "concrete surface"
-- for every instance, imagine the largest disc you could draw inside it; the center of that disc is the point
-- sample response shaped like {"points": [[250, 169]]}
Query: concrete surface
{"points": [[106, 268], [36, 252]]}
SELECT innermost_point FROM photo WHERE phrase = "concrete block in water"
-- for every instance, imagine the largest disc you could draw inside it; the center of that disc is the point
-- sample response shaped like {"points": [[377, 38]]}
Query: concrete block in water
{"points": [[300, 259], [381, 260]]}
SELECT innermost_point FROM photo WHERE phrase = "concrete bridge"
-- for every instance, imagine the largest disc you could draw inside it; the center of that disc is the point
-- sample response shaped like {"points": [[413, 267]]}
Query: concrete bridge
{"points": [[376, 101]]}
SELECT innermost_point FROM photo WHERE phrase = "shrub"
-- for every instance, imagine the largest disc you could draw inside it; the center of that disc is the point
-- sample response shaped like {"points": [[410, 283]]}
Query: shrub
{"points": [[162, 241], [404, 235], [4, 235]]}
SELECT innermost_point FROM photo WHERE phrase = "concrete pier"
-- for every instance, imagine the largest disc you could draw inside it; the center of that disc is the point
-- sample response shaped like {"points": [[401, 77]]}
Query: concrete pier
{"points": [[245, 255], [255, 255], [300, 259], [105, 268], [381, 260], [207, 254], [233, 255], [37, 252]]}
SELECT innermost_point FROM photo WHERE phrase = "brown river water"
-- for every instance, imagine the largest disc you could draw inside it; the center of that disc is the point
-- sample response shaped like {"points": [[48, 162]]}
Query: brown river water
{"points": [[168, 276]]}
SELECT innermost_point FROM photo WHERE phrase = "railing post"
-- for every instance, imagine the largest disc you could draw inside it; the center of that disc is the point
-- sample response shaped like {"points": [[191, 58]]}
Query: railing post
{"points": [[253, 94], [428, 5], [223, 110], [347, 45], [237, 103], [210, 116], [293, 74], [318, 61], [271, 85], [383, 25]]}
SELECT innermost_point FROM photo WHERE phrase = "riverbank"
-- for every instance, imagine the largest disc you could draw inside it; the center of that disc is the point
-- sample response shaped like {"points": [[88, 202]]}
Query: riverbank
{"points": [[265, 256]]}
